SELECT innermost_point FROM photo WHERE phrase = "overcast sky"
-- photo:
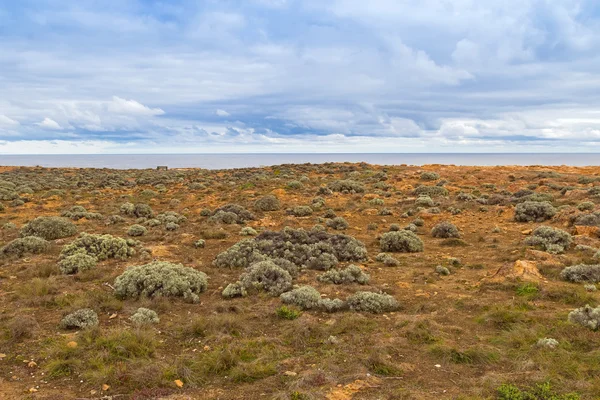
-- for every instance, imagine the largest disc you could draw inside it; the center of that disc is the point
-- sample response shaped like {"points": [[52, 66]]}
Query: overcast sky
{"points": [[149, 76]]}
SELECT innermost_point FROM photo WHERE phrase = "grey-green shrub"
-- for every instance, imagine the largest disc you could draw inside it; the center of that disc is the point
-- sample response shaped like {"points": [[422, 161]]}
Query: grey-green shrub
{"points": [[445, 230], [552, 240], [440, 269], [332, 305], [137, 210], [387, 260], [267, 203], [351, 274], [171, 226], [234, 290], [137, 230], [224, 214], [79, 212], [26, 245], [430, 176], [300, 211], [266, 276], [248, 231], [586, 206], [8, 194], [303, 297], [401, 242], [294, 185], [161, 279], [337, 223], [144, 316], [200, 243], [424, 201], [587, 316], [347, 186], [533, 211], [431, 191], [49, 228], [100, 246], [581, 273], [372, 302], [171, 217], [76, 263], [80, 319]]}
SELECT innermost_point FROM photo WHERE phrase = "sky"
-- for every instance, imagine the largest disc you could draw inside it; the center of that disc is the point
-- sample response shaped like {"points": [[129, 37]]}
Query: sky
{"points": [[247, 76]]}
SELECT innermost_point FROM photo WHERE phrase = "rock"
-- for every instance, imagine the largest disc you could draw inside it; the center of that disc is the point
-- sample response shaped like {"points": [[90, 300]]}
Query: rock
{"points": [[72, 344], [32, 364], [105, 387], [527, 231], [178, 383], [2, 355], [521, 269], [290, 373], [590, 231]]}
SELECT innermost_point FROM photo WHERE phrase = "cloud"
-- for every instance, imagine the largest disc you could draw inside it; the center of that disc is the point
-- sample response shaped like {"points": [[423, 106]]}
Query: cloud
{"points": [[49, 123], [6, 122], [131, 107], [222, 113]]}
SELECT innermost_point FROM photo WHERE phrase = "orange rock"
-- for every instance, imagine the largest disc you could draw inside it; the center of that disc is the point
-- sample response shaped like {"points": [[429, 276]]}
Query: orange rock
{"points": [[178, 382], [591, 231], [521, 269], [72, 345]]}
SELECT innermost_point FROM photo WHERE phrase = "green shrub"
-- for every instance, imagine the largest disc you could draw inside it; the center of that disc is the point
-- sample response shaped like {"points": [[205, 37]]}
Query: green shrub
{"points": [[294, 185], [76, 263], [586, 206], [285, 312], [581, 273], [137, 210], [171, 217], [80, 319], [248, 231], [372, 302], [27, 245], [100, 246], [8, 194], [401, 241], [440, 269], [79, 212], [550, 239], [533, 211], [267, 203], [266, 276], [424, 201], [430, 176], [232, 214], [387, 260], [539, 392], [586, 316], [300, 211], [144, 316], [346, 186], [137, 230], [49, 228], [200, 243], [445, 230], [161, 279], [303, 297], [351, 274], [337, 223], [431, 191]]}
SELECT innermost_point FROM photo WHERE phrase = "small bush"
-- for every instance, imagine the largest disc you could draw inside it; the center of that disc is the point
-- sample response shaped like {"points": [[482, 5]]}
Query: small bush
{"points": [[401, 241], [346, 186], [100, 246], [285, 312], [200, 243], [375, 303], [387, 260], [586, 206], [266, 276], [294, 185], [27, 245], [431, 191], [445, 230], [300, 211], [76, 263], [248, 231], [49, 228], [539, 392], [267, 203], [144, 316], [581, 273], [440, 269], [430, 176], [337, 223], [79, 212], [80, 319], [550, 239], [304, 297], [587, 316], [332, 305], [232, 213], [234, 290], [161, 279], [352, 274], [533, 211], [137, 230], [424, 201]]}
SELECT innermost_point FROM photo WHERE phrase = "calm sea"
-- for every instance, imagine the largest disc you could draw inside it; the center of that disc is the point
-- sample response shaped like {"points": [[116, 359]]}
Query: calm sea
{"points": [[224, 161]]}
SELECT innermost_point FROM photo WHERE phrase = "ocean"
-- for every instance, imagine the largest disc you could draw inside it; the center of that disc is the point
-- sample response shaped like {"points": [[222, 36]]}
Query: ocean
{"points": [[226, 161]]}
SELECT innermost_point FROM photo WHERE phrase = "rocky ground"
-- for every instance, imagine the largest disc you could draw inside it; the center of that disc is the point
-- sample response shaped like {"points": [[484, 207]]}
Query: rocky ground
{"points": [[474, 309]]}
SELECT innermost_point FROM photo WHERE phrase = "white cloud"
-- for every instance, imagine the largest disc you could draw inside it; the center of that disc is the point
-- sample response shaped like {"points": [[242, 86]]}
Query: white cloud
{"points": [[131, 107], [49, 123], [6, 122], [222, 113]]}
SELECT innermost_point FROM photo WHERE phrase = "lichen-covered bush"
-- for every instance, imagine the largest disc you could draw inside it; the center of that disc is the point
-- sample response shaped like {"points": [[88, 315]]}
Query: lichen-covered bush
{"points": [[550, 239], [76, 263], [591, 219], [49, 228], [351, 274], [440, 269], [266, 276], [298, 246], [232, 214], [534, 211], [200, 243], [300, 211], [161, 279], [8, 194], [171, 217], [445, 230], [267, 203], [581, 273], [424, 201], [144, 316], [587, 316], [337, 223], [234, 290], [387, 260], [347, 186], [137, 210], [401, 242], [294, 185], [430, 176], [586, 206], [303, 297], [26, 245], [372, 302], [431, 191], [137, 230], [100, 246], [332, 305], [79, 212], [171, 226], [248, 231], [80, 319]]}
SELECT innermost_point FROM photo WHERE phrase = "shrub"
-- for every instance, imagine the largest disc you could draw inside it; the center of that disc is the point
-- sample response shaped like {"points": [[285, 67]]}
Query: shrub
{"points": [[300, 211], [587, 316], [431, 191], [442, 270], [144, 316], [539, 392], [581, 273], [200, 243], [224, 217], [586, 219], [100, 246], [49, 228], [550, 239], [332, 305], [294, 185], [337, 223], [401, 241], [352, 274], [424, 201], [586, 206], [534, 211], [430, 176], [137, 210], [304, 297], [115, 219], [8, 194], [298, 246], [387, 260], [248, 231], [161, 279], [376, 303], [346, 186], [266, 276], [27, 245], [80, 319], [137, 230], [445, 230], [234, 290], [285, 312], [267, 203], [232, 212], [171, 226], [171, 217], [76, 263], [376, 202], [78, 212]]}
